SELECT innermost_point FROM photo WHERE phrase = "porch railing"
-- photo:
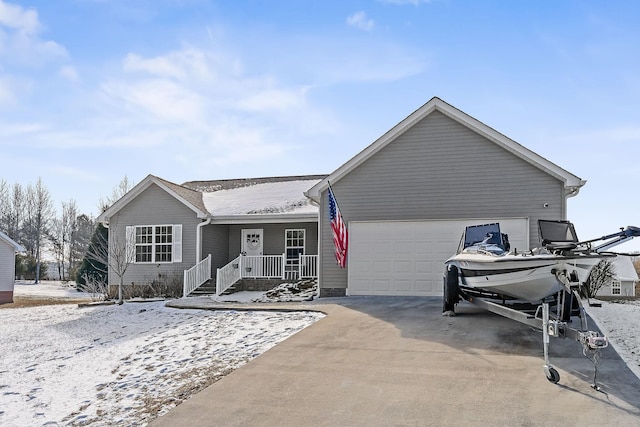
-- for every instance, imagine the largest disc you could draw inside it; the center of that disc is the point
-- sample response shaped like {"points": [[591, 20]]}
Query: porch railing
{"points": [[307, 266], [265, 267], [228, 275], [196, 276]]}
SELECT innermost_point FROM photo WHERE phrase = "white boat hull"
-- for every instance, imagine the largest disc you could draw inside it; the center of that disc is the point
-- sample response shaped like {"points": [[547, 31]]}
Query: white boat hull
{"points": [[524, 277]]}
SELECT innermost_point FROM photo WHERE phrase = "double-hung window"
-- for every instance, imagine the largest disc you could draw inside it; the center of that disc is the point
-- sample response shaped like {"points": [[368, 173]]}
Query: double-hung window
{"points": [[294, 244], [616, 287], [155, 243]]}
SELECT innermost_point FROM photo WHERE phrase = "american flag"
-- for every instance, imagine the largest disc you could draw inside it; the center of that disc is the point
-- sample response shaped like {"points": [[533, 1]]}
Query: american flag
{"points": [[339, 229]]}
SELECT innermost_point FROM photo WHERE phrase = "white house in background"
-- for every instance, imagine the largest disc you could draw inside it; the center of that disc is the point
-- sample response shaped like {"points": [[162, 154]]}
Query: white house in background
{"points": [[8, 249], [624, 284]]}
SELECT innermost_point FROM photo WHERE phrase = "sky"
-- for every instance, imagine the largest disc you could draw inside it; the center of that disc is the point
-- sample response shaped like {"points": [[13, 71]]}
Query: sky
{"points": [[93, 90]]}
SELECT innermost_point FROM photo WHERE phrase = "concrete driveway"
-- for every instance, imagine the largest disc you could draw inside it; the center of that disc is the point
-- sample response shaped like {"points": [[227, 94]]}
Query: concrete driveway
{"points": [[395, 361]]}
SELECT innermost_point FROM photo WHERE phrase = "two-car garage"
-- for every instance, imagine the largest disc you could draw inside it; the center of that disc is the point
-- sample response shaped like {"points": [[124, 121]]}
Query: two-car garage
{"points": [[408, 196], [407, 257]]}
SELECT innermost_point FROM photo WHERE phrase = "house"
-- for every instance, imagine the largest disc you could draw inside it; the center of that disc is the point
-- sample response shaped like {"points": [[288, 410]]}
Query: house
{"points": [[8, 249], [262, 228], [625, 280], [405, 198], [408, 196]]}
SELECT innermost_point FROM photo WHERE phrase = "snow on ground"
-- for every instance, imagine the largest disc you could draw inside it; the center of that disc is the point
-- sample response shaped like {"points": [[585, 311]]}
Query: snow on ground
{"points": [[620, 323], [304, 290], [122, 365], [53, 289], [125, 365]]}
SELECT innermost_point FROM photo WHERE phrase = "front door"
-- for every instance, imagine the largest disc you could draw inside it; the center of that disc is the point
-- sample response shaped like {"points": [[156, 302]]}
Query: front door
{"points": [[252, 245], [252, 241]]}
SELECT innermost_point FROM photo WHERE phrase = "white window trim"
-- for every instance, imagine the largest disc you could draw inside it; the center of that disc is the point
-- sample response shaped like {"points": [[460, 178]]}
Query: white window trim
{"points": [[616, 285], [304, 241], [176, 243]]}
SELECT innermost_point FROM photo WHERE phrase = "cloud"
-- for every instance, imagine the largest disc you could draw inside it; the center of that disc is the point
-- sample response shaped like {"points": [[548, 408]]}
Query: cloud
{"points": [[196, 107], [13, 89], [19, 37], [360, 21], [15, 17], [69, 72], [7, 96]]}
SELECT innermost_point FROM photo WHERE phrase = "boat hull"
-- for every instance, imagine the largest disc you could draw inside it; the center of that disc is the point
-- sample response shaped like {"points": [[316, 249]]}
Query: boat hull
{"points": [[524, 277]]}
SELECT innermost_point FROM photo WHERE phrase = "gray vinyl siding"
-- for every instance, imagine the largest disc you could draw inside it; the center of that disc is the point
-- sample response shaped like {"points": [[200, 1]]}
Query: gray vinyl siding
{"points": [[215, 241], [274, 237], [7, 266], [154, 206], [439, 169]]}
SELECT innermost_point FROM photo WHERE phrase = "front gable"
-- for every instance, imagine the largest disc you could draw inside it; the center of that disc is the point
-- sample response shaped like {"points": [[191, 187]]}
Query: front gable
{"points": [[189, 198], [441, 169], [437, 107]]}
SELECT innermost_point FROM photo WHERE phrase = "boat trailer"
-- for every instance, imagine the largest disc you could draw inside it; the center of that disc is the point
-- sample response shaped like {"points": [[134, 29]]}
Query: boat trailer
{"points": [[552, 323]]}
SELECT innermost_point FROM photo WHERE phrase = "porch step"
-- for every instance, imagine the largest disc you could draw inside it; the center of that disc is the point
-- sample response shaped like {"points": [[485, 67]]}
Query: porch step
{"points": [[207, 288]]}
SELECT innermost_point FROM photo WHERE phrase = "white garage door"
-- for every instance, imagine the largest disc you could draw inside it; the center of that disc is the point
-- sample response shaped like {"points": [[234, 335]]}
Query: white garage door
{"points": [[407, 257]]}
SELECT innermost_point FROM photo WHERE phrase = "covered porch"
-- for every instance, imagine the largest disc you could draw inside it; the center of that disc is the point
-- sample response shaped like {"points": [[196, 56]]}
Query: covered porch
{"points": [[285, 251], [250, 267]]}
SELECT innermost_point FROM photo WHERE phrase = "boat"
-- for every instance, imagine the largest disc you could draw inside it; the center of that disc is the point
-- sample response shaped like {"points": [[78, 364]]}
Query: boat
{"points": [[525, 285], [488, 267]]}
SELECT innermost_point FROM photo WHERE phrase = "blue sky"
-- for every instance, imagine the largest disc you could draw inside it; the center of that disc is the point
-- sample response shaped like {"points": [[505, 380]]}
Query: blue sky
{"points": [[91, 90]]}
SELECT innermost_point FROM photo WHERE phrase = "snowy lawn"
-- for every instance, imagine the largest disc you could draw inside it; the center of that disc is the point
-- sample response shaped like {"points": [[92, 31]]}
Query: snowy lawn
{"points": [[620, 322], [123, 365]]}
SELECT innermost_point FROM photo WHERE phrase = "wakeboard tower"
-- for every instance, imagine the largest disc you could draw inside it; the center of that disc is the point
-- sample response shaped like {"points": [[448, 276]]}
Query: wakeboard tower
{"points": [[538, 287]]}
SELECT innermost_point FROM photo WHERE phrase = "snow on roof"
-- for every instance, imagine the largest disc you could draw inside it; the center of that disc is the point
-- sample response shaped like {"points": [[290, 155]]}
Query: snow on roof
{"points": [[285, 197], [624, 269]]}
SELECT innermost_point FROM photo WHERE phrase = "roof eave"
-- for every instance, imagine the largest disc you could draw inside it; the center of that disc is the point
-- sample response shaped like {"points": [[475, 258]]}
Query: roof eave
{"points": [[264, 219], [137, 190], [16, 246]]}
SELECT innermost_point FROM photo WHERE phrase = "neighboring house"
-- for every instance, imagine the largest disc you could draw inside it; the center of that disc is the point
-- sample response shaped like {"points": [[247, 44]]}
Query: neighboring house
{"points": [[407, 197], [169, 228], [8, 249], [624, 283]]}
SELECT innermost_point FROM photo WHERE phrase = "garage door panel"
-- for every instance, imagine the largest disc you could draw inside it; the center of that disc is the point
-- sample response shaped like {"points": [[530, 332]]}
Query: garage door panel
{"points": [[402, 267], [403, 286], [407, 258]]}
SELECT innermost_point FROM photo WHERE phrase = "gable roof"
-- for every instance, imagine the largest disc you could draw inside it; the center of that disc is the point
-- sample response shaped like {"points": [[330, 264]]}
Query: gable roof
{"points": [[624, 269], [258, 199], [233, 200], [189, 197], [16, 246], [230, 184], [572, 183]]}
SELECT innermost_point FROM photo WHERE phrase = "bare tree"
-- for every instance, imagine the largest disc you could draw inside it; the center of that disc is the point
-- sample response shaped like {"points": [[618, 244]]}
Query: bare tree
{"points": [[5, 206], [600, 275], [56, 237], [16, 215], [42, 217], [98, 289], [118, 191], [116, 253], [80, 240]]}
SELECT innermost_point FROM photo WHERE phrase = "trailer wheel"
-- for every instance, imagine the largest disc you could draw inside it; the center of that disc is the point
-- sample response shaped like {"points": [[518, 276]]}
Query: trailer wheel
{"points": [[552, 375], [451, 290]]}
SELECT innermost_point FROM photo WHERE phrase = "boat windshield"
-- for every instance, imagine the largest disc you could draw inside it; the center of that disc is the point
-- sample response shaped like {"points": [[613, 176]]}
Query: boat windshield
{"points": [[557, 231], [485, 237]]}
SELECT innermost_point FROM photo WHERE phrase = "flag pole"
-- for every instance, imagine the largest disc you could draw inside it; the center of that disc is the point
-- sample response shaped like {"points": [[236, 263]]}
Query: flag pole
{"points": [[334, 198]]}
